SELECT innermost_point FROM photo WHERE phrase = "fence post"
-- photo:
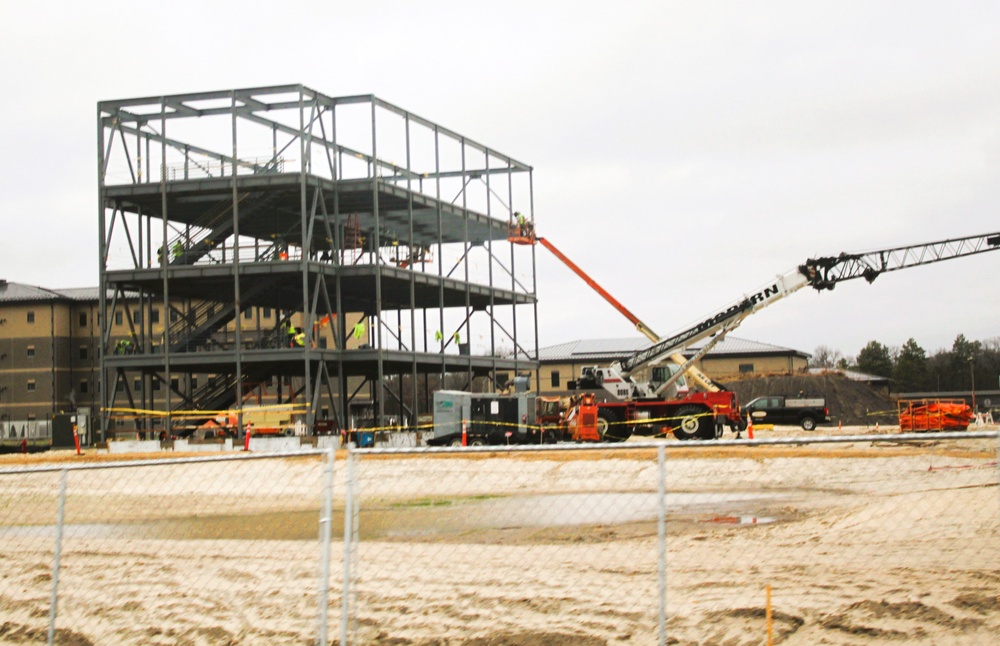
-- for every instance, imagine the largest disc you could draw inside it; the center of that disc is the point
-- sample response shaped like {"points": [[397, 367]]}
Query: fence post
{"points": [[325, 533], [60, 516], [661, 524], [349, 538]]}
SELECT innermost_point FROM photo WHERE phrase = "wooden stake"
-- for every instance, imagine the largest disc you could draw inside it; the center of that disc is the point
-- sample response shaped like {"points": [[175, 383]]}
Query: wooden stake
{"points": [[770, 622]]}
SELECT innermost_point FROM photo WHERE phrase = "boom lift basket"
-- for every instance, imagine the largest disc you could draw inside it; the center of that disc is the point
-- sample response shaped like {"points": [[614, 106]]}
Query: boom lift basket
{"points": [[520, 232]]}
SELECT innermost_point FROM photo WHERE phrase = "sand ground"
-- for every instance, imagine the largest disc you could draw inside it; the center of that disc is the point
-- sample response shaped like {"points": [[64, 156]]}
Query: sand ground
{"points": [[870, 542]]}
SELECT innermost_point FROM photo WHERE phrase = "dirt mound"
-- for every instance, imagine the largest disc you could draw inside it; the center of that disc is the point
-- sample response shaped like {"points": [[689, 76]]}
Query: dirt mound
{"points": [[850, 402]]}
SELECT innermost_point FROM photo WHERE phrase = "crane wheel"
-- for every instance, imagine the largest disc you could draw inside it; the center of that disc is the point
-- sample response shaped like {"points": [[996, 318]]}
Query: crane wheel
{"points": [[693, 423]]}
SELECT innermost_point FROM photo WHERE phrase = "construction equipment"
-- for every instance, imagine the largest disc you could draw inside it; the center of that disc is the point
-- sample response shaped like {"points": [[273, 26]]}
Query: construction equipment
{"points": [[821, 274], [262, 420], [658, 406], [480, 419], [686, 414]]}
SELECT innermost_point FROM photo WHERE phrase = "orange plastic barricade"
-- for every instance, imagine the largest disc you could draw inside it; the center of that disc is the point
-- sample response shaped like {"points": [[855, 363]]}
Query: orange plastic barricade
{"points": [[934, 415]]}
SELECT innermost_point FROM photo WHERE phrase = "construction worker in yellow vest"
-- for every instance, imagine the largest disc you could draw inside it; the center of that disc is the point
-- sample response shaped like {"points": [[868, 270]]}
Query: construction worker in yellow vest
{"points": [[359, 330], [300, 338], [524, 227]]}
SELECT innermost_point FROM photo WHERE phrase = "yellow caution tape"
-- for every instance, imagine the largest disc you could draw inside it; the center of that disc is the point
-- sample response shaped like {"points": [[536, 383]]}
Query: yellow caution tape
{"points": [[142, 412], [877, 413]]}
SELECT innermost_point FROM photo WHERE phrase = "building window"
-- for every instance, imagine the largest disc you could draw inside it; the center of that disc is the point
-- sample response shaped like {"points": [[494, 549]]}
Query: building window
{"points": [[175, 383], [746, 368], [156, 384], [84, 387], [31, 385], [248, 313], [31, 351], [154, 316], [118, 318], [137, 318], [324, 413], [322, 342], [83, 352], [83, 319], [266, 313], [194, 383], [502, 378], [31, 317], [174, 316], [137, 385], [555, 378]]}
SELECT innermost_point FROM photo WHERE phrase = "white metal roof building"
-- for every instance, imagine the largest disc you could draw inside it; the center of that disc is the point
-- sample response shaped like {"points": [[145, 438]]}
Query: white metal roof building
{"points": [[592, 349]]}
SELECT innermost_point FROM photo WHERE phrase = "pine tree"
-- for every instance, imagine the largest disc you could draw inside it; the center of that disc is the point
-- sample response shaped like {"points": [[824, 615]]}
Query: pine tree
{"points": [[962, 352], [875, 359], [910, 372]]}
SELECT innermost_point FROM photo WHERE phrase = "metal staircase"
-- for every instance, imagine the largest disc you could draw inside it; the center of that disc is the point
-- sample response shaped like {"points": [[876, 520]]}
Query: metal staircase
{"points": [[194, 329], [215, 226]]}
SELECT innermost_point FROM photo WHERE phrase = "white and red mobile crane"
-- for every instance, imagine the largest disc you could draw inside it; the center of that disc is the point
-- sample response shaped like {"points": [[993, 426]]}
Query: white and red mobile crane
{"points": [[664, 404]]}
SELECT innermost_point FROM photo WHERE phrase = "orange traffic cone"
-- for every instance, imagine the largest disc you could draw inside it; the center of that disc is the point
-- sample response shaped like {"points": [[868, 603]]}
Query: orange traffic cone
{"points": [[750, 426]]}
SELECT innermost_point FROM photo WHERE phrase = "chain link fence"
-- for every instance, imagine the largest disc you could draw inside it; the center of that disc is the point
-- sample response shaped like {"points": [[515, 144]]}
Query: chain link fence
{"points": [[197, 551], [834, 540]]}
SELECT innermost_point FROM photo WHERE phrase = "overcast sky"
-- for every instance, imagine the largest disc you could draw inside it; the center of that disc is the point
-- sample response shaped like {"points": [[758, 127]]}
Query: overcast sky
{"points": [[684, 153]]}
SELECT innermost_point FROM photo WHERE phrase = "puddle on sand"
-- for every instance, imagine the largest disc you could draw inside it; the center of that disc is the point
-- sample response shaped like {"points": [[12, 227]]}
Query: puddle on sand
{"points": [[458, 515], [283, 525], [438, 517]]}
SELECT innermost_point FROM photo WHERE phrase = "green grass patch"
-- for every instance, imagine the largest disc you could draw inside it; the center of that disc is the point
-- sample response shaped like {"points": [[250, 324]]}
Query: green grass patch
{"points": [[440, 502]]}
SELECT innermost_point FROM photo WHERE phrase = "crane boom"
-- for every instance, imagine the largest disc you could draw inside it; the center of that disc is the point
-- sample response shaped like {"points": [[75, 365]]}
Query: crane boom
{"points": [[721, 322], [818, 273], [825, 273]]}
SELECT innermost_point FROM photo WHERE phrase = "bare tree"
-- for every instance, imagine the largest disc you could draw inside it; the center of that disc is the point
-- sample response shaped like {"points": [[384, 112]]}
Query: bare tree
{"points": [[824, 357]]}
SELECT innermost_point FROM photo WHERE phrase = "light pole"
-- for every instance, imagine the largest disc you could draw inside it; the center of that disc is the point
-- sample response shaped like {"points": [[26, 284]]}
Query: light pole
{"points": [[972, 375]]}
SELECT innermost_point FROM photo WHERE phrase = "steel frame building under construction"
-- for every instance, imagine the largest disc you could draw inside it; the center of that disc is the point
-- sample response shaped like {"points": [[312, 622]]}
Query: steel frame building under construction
{"points": [[302, 248]]}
